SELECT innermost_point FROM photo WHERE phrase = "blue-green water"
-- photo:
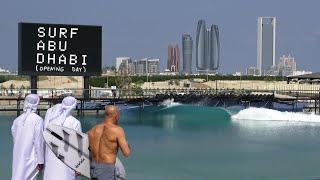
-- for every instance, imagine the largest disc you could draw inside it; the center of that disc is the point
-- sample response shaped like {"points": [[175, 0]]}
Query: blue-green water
{"points": [[196, 142]]}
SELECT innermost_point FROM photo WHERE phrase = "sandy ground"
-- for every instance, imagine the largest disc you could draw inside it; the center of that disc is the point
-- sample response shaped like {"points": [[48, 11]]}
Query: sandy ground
{"points": [[49, 82], [46, 85]]}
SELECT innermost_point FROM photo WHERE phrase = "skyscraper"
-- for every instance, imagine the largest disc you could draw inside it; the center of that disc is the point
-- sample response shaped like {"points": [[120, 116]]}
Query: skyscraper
{"points": [[200, 46], [266, 43], [215, 48], [173, 58], [187, 53], [207, 47]]}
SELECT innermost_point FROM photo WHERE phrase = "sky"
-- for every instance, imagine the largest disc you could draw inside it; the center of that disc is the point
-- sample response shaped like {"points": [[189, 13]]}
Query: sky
{"points": [[144, 28]]}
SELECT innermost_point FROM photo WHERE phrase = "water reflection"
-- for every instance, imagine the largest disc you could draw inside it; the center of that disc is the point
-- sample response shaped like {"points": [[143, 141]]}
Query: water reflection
{"points": [[176, 117], [169, 122]]}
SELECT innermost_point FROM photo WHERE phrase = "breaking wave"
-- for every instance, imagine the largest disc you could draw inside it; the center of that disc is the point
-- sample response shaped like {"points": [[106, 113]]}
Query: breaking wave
{"points": [[169, 103], [263, 114]]}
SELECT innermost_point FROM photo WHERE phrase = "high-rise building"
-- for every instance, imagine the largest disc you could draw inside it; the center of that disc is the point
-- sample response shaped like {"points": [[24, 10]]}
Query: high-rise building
{"points": [[287, 65], [252, 71], [187, 53], [173, 58], [266, 43], [200, 45], [124, 66], [147, 66], [142, 66], [119, 61], [135, 67], [207, 47], [153, 66], [215, 48]]}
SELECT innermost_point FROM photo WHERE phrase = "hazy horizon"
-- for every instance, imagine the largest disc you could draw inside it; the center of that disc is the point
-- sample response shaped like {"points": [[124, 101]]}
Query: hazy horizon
{"points": [[143, 28]]}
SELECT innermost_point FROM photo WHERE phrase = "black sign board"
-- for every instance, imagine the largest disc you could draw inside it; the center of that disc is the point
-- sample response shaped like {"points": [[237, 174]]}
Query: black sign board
{"points": [[59, 50]]}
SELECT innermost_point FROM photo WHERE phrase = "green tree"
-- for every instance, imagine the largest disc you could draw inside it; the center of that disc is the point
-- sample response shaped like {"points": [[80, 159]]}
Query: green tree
{"points": [[97, 81], [171, 82], [177, 82]]}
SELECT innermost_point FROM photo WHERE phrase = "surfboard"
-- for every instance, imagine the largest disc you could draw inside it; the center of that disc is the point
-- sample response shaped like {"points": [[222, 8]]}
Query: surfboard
{"points": [[72, 148]]}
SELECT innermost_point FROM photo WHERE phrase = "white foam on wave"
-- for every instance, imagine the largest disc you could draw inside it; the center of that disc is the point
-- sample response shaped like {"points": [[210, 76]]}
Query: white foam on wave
{"points": [[125, 107], [174, 104], [169, 103], [263, 114]]}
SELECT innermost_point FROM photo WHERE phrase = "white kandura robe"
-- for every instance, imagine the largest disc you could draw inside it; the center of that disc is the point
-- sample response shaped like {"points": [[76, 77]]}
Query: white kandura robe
{"points": [[28, 146], [54, 168]]}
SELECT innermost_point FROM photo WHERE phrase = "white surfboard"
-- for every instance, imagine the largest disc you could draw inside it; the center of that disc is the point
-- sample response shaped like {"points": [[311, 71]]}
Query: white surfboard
{"points": [[72, 148]]}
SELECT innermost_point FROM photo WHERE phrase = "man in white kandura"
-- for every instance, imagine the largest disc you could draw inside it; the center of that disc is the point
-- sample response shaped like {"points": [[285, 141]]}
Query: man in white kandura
{"points": [[28, 155], [60, 114]]}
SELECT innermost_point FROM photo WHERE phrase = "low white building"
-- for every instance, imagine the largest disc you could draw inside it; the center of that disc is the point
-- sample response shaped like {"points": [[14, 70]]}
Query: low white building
{"points": [[4, 71], [298, 73]]}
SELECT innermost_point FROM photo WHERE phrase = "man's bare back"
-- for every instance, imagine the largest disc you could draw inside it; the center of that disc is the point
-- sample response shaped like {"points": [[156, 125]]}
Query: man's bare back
{"points": [[107, 137]]}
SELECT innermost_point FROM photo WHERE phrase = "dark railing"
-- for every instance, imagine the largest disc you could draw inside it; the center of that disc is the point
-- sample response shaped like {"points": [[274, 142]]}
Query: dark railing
{"points": [[12, 99], [107, 93]]}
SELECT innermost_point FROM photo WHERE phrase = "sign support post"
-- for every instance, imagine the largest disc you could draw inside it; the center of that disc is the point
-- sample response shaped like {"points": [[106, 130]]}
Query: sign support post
{"points": [[86, 90], [34, 84]]}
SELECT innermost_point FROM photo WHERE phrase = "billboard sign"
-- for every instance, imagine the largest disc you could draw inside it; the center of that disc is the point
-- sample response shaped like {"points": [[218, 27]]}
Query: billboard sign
{"points": [[59, 49]]}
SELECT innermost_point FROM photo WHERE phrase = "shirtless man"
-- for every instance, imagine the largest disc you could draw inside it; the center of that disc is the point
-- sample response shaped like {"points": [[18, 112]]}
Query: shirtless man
{"points": [[105, 139]]}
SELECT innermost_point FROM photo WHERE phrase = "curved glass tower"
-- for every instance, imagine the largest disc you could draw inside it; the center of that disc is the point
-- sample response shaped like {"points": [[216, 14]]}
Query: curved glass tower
{"points": [[215, 48], [207, 47], [187, 53], [200, 46]]}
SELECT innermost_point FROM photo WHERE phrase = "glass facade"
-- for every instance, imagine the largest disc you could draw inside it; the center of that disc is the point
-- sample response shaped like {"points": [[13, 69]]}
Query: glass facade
{"points": [[207, 47], [200, 45], [266, 44], [215, 48], [187, 53]]}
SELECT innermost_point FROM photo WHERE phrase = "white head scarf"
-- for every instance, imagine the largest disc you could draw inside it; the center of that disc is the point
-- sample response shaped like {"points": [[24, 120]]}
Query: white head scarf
{"points": [[30, 105], [63, 110], [68, 104]]}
